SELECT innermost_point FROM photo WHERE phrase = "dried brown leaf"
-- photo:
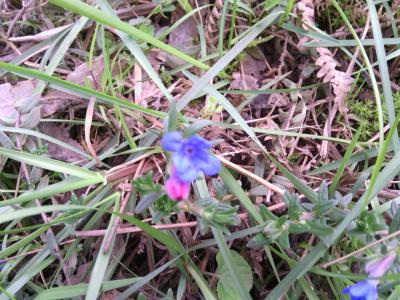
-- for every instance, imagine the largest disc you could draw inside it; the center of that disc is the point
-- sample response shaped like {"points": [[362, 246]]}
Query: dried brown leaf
{"points": [[18, 104], [185, 38], [56, 101], [307, 9], [243, 82], [341, 82], [83, 73], [253, 67], [55, 151], [150, 91]]}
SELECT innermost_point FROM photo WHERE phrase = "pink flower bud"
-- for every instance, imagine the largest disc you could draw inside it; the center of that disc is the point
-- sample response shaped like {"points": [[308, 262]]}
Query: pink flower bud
{"points": [[176, 189]]}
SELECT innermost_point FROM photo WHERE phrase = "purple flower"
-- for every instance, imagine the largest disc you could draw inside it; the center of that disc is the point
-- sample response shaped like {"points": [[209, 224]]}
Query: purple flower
{"points": [[378, 268], [363, 290], [190, 156], [367, 289]]}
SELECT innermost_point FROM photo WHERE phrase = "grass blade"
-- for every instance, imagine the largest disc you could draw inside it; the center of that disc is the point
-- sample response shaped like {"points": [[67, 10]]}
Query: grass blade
{"points": [[103, 258], [69, 184], [383, 70], [81, 91], [50, 164], [92, 13], [227, 58], [344, 161], [44, 137], [80, 289]]}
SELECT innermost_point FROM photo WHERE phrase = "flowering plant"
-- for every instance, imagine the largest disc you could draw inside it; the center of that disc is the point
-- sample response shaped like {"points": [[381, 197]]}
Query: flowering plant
{"points": [[367, 289], [190, 157]]}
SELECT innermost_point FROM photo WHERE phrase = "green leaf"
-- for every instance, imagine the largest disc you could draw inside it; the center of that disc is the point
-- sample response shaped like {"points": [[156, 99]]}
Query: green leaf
{"points": [[395, 225], [155, 233], [185, 5], [103, 257], [80, 289], [319, 229], [237, 190], [344, 161], [104, 18], [226, 288], [50, 164]]}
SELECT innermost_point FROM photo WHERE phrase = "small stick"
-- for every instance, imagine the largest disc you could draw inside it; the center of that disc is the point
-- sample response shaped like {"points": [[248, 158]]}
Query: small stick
{"points": [[135, 229], [251, 175], [335, 261]]}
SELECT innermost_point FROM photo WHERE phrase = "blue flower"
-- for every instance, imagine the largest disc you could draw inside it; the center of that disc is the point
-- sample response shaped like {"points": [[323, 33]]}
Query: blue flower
{"points": [[363, 290], [367, 289], [190, 156]]}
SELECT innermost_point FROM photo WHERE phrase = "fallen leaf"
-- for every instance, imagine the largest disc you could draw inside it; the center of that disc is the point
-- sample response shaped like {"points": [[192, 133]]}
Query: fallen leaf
{"points": [[55, 101], [83, 73], [253, 67], [243, 82], [278, 100], [111, 295], [150, 92], [185, 38], [307, 9], [155, 58], [341, 81], [55, 151], [18, 104]]}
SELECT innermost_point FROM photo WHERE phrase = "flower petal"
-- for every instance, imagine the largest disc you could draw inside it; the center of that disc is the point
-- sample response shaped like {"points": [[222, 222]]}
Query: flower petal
{"points": [[363, 290], [172, 141], [184, 168], [176, 189], [198, 142], [210, 165], [379, 267]]}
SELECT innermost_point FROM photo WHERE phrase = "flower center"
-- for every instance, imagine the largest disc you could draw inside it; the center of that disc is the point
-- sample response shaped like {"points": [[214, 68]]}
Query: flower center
{"points": [[189, 150]]}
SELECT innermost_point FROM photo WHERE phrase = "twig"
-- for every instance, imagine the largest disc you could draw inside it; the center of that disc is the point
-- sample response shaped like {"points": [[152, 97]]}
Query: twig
{"points": [[125, 169], [251, 175], [352, 254], [135, 229]]}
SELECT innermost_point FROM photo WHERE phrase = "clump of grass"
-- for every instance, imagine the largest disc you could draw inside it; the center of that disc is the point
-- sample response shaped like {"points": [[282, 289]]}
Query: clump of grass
{"points": [[353, 9], [364, 113]]}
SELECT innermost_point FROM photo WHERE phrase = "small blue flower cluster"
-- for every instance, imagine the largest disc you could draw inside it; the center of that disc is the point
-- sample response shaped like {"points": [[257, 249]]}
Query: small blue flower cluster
{"points": [[190, 157]]}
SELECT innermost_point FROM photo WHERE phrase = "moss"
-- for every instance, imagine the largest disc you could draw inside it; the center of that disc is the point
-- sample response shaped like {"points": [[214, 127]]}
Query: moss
{"points": [[365, 112], [327, 14]]}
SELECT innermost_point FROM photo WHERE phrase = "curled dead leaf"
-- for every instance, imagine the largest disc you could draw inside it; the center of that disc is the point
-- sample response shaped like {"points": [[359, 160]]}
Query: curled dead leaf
{"points": [[57, 152], [56, 101], [83, 73], [243, 82], [18, 104]]}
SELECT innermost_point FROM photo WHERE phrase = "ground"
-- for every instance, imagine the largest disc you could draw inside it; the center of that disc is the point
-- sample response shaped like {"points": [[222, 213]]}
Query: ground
{"points": [[299, 101]]}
